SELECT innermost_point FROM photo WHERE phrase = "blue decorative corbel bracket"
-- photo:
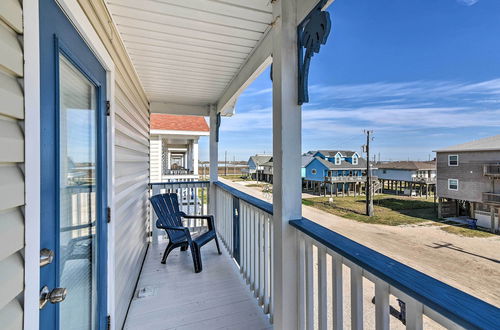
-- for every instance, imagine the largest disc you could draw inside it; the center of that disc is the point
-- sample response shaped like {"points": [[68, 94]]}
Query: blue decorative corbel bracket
{"points": [[217, 127], [312, 32]]}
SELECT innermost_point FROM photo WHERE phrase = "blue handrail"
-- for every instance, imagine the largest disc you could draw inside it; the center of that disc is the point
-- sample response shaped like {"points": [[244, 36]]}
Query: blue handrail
{"points": [[458, 306], [258, 203]]}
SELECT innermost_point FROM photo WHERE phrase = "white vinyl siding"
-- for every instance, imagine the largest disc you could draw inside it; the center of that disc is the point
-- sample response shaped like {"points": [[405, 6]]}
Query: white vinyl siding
{"points": [[11, 165], [131, 213]]}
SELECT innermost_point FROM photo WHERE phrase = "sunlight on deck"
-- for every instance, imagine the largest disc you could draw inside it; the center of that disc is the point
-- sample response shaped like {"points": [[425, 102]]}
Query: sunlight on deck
{"points": [[178, 298]]}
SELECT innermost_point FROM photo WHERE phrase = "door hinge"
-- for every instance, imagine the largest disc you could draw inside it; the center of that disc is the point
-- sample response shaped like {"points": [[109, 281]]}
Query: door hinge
{"points": [[108, 322], [109, 214], [108, 108]]}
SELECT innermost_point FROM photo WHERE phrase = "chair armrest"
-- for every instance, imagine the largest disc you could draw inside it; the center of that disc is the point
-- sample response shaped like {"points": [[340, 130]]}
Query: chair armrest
{"points": [[187, 216], [159, 225]]}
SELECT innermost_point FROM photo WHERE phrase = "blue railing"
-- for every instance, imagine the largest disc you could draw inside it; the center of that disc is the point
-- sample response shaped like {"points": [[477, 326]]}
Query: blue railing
{"points": [[419, 293], [258, 203], [451, 303]]}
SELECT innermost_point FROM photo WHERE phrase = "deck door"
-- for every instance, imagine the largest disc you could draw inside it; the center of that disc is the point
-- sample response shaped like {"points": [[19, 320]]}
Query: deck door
{"points": [[73, 177]]}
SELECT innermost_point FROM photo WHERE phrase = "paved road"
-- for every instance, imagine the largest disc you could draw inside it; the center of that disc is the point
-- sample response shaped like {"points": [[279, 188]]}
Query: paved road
{"points": [[469, 264]]}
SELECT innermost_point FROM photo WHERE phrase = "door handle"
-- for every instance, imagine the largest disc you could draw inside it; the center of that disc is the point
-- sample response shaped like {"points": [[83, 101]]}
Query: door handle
{"points": [[46, 257], [55, 296]]}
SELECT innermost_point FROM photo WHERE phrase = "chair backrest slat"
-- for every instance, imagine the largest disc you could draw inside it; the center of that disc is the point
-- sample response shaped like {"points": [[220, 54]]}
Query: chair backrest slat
{"points": [[166, 207]]}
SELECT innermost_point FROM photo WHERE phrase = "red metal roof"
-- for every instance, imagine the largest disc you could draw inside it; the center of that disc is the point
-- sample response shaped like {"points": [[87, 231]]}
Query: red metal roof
{"points": [[178, 123]]}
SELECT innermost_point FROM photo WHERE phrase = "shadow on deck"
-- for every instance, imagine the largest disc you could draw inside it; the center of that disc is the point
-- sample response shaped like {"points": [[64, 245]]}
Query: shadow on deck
{"points": [[177, 298]]}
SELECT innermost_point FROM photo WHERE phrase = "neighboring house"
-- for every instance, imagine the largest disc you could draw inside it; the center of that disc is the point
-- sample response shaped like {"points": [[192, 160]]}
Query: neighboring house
{"points": [[255, 166], [174, 147], [333, 164], [335, 170], [412, 171], [468, 177]]}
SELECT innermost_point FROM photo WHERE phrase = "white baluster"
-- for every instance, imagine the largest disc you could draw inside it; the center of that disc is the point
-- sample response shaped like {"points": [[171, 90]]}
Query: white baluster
{"points": [[309, 285], [322, 288], [266, 263], [356, 298], [302, 283], [337, 294], [414, 316], [381, 305], [261, 258]]}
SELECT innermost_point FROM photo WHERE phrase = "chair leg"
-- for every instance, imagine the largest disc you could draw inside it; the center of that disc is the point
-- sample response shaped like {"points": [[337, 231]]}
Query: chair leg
{"points": [[217, 243], [184, 247], [169, 249], [195, 252]]}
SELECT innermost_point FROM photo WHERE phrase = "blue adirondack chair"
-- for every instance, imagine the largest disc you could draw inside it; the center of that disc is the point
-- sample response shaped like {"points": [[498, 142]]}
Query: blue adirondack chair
{"points": [[166, 207]]}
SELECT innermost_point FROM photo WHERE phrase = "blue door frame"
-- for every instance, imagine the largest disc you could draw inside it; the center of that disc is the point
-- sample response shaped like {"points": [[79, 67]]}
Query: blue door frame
{"points": [[58, 36]]}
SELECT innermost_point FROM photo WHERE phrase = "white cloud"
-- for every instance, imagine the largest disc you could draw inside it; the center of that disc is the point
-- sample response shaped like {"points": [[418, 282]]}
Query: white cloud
{"points": [[467, 2], [403, 90], [413, 106]]}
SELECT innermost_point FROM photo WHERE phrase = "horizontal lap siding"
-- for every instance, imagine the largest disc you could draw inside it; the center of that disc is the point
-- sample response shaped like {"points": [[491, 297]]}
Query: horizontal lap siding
{"points": [[131, 162], [11, 165]]}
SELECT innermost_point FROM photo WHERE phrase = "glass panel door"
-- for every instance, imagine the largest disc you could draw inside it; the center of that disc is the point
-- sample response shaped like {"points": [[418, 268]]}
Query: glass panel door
{"points": [[77, 197]]}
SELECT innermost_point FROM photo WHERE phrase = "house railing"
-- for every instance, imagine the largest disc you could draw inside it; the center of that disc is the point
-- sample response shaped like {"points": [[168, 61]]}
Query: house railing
{"points": [[193, 199], [424, 180], [491, 170], [491, 198], [245, 225], [341, 179], [177, 172]]}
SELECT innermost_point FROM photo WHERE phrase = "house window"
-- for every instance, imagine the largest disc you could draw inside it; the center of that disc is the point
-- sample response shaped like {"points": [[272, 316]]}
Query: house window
{"points": [[354, 160], [314, 172], [384, 171], [337, 160], [452, 184], [452, 160]]}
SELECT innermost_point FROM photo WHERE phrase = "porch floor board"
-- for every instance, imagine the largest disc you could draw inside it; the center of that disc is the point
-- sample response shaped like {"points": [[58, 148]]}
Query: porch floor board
{"points": [[216, 298]]}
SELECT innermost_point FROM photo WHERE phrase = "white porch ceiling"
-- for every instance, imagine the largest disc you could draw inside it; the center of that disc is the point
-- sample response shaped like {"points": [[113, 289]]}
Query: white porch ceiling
{"points": [[188, 51]]}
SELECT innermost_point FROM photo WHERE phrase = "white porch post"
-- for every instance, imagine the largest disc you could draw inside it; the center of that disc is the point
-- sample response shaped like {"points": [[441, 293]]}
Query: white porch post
{"points": [[214, 157], [195, 156], [168, 158], [155, 166], [189, 155], [286, 158]]}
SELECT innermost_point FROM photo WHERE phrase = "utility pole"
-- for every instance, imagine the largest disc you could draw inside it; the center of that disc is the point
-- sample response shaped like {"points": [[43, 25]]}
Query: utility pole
{"points": [[225, 163], [369, 197]]}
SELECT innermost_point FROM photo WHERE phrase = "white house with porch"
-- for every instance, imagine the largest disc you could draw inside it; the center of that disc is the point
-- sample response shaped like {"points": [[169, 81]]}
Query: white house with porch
{"points": [[79, 80], [174, 142]]}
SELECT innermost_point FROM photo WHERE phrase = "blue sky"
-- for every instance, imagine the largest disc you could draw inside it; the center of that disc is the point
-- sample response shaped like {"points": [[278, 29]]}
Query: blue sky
{"points": [[423, 74]]}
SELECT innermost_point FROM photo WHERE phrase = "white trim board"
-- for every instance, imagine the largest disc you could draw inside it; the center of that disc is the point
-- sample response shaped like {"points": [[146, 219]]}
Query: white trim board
{"points": [[32, 164]]}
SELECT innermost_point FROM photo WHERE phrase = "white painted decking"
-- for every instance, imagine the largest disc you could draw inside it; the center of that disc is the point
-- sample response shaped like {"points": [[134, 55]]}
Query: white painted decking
{"points": [[216, 298]]}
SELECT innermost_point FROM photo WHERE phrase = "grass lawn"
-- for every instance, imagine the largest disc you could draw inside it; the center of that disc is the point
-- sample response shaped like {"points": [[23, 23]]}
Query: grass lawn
{"points": [[466, 232], [258, 185], [235, 178], [388, 209]]}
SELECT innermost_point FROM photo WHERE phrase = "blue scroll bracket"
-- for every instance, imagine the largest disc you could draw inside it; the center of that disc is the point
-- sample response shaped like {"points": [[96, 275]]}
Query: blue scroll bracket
{"points": [[312, 32]]}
